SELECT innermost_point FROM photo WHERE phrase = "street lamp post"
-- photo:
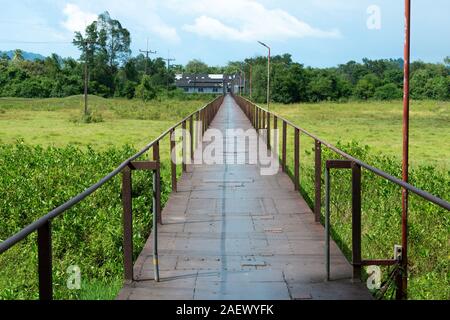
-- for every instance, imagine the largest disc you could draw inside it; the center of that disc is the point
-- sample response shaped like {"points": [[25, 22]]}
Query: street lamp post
{"points": [[245, 81], [268, 73], [250, 75]]}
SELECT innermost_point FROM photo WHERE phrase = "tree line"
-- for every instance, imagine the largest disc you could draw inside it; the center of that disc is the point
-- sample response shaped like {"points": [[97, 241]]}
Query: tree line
{"points": [[112, 71], [372, 79]]}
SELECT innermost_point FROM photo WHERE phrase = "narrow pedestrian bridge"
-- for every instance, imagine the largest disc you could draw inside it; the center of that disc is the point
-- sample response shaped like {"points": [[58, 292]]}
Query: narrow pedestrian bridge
{"points": [[232, 231]]}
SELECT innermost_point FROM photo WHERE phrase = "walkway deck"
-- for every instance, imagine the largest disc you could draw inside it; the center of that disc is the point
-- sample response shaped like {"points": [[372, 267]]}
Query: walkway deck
{"points": [[231, 233]]}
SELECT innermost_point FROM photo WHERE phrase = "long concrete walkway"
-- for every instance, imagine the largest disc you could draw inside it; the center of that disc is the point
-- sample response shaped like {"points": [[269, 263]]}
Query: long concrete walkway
{"points": [[232, 233]]}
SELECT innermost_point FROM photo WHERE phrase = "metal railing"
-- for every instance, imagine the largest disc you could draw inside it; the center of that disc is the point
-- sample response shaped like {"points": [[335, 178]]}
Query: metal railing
{"points": [[42, 226], [261, 119]]}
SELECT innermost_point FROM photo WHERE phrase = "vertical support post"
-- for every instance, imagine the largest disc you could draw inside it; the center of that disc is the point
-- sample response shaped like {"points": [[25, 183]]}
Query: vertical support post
{"points": [[264, 119], [356, 221], [318, 180], [283, 147], [173, 164], [327, 223], [156, 181], [254, 116], [276, 135], [196, 135], [297, 159], [268, 131], [203, 121], [191, 138], [259, 119], [156, 157], [184, 147], [127, 225], [44, 242], [402, 278]]}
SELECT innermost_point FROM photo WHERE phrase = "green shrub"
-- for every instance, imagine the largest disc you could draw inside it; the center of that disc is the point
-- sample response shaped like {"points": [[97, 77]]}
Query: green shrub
{"points": [[429, 225], [145, 89], [388, 92], [34, 181]]}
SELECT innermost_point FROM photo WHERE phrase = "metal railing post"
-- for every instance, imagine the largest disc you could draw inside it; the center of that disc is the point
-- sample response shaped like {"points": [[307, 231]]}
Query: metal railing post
{"points": [[191, 138], [268, 131], [156, 157], [156, 182], [264, 120], [283, 147], [184, 147], [127, 225], [318, 180], [327, 223], [297, 159], [356, 221], [275, 136], [44, 241], [173, 164]]}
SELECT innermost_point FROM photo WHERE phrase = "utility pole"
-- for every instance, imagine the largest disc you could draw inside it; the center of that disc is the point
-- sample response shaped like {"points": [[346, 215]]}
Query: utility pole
{"points": [[169, 60], [86, 74], [147, 53]]}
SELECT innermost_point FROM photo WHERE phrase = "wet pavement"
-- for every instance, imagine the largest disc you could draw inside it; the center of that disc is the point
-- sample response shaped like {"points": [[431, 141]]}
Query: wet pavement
{"points": [[232, 233]]}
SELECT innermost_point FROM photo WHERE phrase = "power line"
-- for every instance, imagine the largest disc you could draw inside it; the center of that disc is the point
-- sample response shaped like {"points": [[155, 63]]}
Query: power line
{"points": [[33, 42]]}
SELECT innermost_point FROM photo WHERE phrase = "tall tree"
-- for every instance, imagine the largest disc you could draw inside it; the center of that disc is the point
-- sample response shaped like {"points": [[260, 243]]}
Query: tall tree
{"points": [[18, 56], [196, 66], [114, 39]]}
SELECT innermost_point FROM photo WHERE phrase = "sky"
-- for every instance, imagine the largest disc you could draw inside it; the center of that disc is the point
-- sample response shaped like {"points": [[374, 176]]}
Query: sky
{"points": [[318, 33]]}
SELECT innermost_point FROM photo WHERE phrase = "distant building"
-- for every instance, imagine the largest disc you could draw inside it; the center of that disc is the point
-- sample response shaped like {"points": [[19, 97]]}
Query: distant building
{"points": [[207, 83]]}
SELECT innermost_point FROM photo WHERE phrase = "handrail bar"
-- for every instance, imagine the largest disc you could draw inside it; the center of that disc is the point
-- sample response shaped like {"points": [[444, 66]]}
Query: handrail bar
{"points": [[424, 194]]}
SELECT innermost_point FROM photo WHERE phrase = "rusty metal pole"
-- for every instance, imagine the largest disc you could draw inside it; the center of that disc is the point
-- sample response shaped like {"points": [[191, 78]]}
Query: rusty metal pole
{"points": [[318, 180], [268, 130], [184, 147], [191, 138], [402, 282], [44, 241], [156, 157], [297, 159], [127, 225], [356, 221], [156, 182], [283, 146], [173, 157], [327, 222]]}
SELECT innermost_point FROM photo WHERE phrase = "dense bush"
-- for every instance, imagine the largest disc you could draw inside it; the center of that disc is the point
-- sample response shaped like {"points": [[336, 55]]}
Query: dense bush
{"points": [[429, 225], [34, 181], [388, 92]]}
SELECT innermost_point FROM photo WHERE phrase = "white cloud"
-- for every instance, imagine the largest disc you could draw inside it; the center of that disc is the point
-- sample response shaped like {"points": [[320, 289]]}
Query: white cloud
{"points": [[245, 20], [76, 19], [165, 32], [139, 16]]}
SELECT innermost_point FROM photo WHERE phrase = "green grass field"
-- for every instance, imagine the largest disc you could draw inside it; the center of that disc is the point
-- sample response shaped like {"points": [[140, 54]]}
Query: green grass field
{"points": [[379, 125], [53, 122], [376, 124], [92, 238]]}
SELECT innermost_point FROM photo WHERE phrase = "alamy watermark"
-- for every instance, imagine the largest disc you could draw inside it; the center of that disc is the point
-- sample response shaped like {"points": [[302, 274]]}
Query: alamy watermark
{"points": [[74, 277], [229, 146], [374, 19]]}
